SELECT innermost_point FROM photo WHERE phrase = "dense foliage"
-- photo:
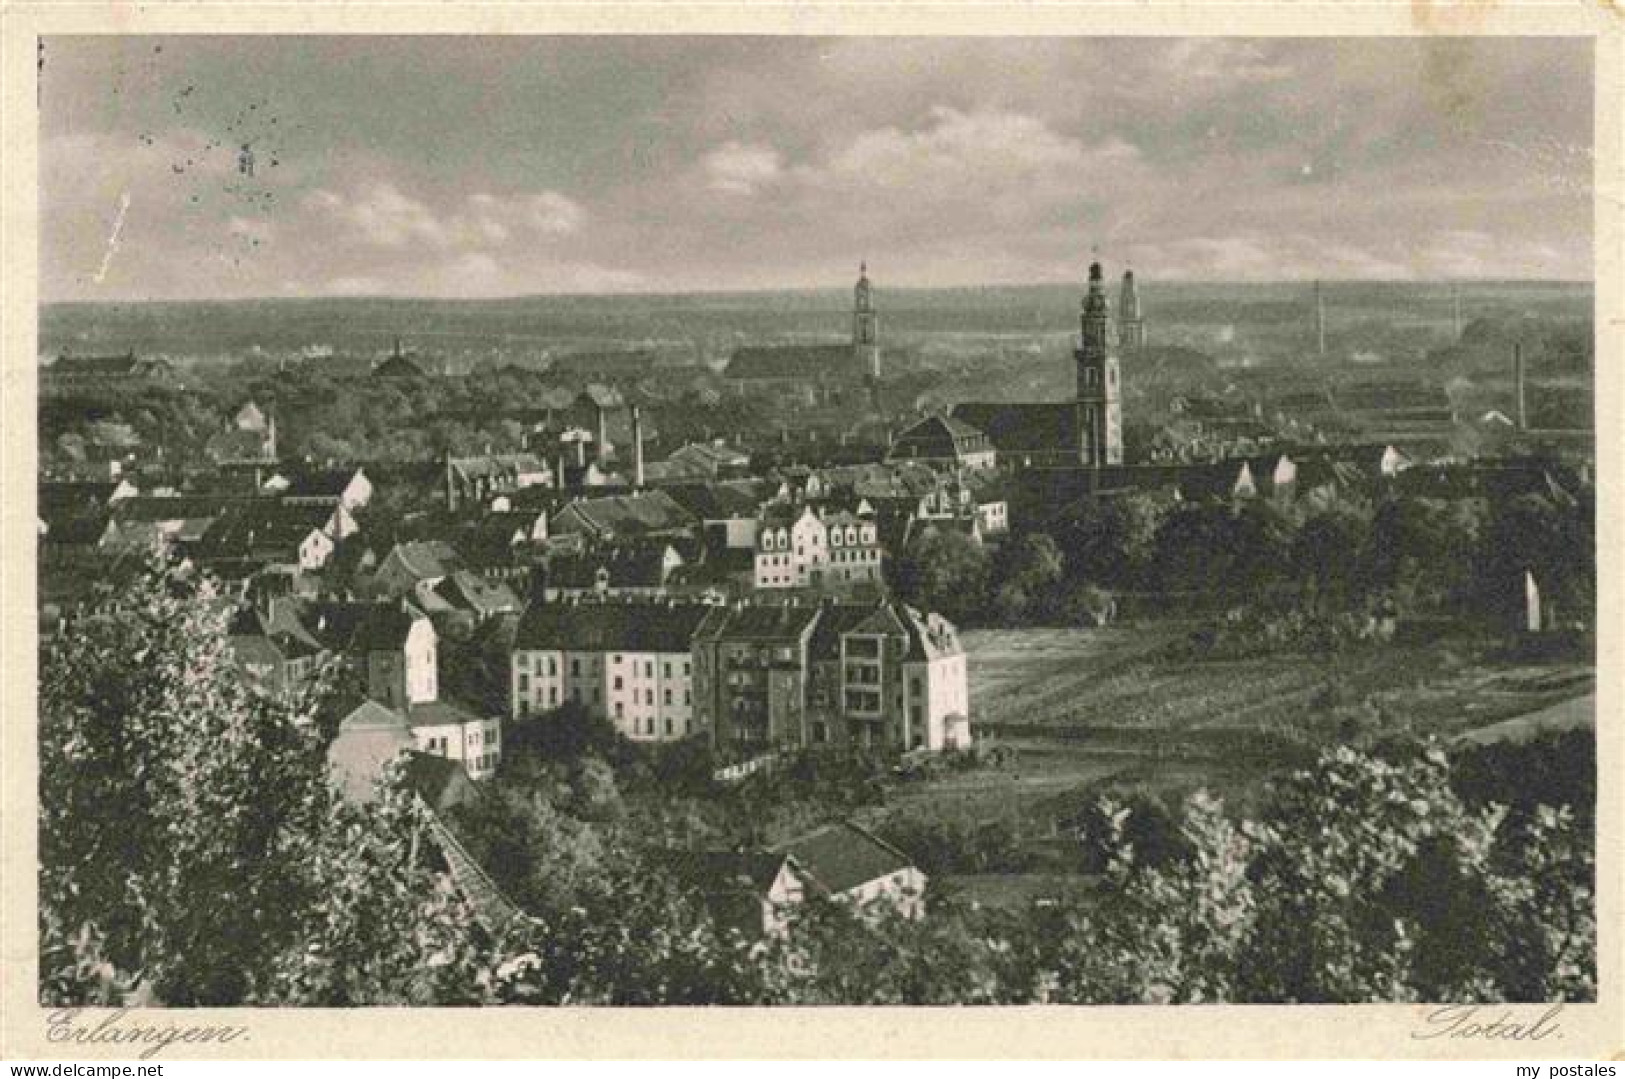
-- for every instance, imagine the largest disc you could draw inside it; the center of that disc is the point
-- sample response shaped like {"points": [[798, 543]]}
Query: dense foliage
{"points": [[192, 849], [192, 853], [1301, 574]]}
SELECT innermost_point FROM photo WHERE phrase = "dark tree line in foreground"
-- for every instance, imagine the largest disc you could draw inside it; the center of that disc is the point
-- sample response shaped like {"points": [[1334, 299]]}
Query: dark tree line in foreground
{"points": [[193, 853]]}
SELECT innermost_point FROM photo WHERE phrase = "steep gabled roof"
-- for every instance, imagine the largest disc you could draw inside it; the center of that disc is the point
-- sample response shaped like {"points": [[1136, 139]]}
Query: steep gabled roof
{"points": [[465, 591], [426, 559], [251, 525], [841, 857], [718, 501]]}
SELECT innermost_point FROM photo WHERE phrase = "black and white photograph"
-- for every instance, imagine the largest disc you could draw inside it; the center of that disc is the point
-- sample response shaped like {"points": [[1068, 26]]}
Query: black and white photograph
{"points": [[632, 519]]}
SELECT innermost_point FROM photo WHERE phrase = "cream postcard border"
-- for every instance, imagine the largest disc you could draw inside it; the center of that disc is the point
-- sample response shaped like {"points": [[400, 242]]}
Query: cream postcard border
{"points": [[1191, 1032]]}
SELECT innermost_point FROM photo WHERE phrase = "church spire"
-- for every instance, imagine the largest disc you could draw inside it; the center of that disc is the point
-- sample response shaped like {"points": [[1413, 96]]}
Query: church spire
{"points": [[865, 325], [1130, 324], [1098, 397]]}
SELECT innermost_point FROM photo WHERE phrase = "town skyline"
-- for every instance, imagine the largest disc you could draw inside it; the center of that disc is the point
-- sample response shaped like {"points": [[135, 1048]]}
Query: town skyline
{"points": [[687, 166]]}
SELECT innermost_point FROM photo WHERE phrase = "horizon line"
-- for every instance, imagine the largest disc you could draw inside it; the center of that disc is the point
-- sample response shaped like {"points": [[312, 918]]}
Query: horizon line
{"points": [[1305, 282]]}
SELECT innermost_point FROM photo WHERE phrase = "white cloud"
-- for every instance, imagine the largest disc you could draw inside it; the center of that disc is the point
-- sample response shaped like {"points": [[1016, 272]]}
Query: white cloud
{"points": [[990, 144], [551, 213], [386, 217], [741, 169]]}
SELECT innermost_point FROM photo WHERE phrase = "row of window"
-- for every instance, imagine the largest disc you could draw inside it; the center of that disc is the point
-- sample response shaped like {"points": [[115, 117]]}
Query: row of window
{"points": [[646, 727], [620, 713], [552, 666]]}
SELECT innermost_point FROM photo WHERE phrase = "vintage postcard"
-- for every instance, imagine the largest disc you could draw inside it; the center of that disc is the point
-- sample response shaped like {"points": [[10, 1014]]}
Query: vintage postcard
{"points": [[686, 532]]}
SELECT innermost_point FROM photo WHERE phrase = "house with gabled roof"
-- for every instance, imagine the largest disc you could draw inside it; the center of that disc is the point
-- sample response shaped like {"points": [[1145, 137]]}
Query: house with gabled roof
{"points": [[273, 649], [468, 593], [944, 441], [639, 569], [752, 892], [412, 562], [757, 892], [266, 532], [348, 488], [400, 646], [850, 864], [611, 519], [126, 367]]}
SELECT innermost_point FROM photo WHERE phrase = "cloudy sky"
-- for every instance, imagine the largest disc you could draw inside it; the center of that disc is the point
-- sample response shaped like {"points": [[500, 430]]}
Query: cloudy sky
{"points": [[209, 167]]}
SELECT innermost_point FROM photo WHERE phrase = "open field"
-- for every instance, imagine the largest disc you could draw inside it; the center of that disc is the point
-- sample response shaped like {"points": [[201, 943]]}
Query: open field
{"points": [[1085, 708]]}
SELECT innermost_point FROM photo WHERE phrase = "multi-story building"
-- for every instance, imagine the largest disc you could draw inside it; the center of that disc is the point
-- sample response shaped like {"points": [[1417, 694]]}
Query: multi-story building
{"points": [[630, 663], [887, 676], [798, 547], [400, 647], [876, 675], [750, 676]]}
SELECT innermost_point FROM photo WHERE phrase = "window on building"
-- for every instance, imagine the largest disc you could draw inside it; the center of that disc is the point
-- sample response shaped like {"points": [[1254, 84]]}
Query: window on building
{"points": [[668, 696], [617, 681], [575, 667], [524, 683], [620, 712]]}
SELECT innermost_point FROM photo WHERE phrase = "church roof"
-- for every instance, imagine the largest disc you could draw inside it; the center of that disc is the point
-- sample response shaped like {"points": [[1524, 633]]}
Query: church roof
{"points": [[808, 362], [1046, 427]]}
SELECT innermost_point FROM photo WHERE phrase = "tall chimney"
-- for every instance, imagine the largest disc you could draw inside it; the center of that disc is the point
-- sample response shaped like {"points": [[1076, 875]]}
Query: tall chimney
{"points": [[559, 483], [581, 452], [451, 485], [1517, 384], [1320, 320], [637, 448]]}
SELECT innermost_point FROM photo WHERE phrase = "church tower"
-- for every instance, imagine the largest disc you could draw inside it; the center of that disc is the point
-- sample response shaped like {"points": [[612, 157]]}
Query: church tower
{"points": [[1099, 396], [1130, 323], [865, 327]]}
